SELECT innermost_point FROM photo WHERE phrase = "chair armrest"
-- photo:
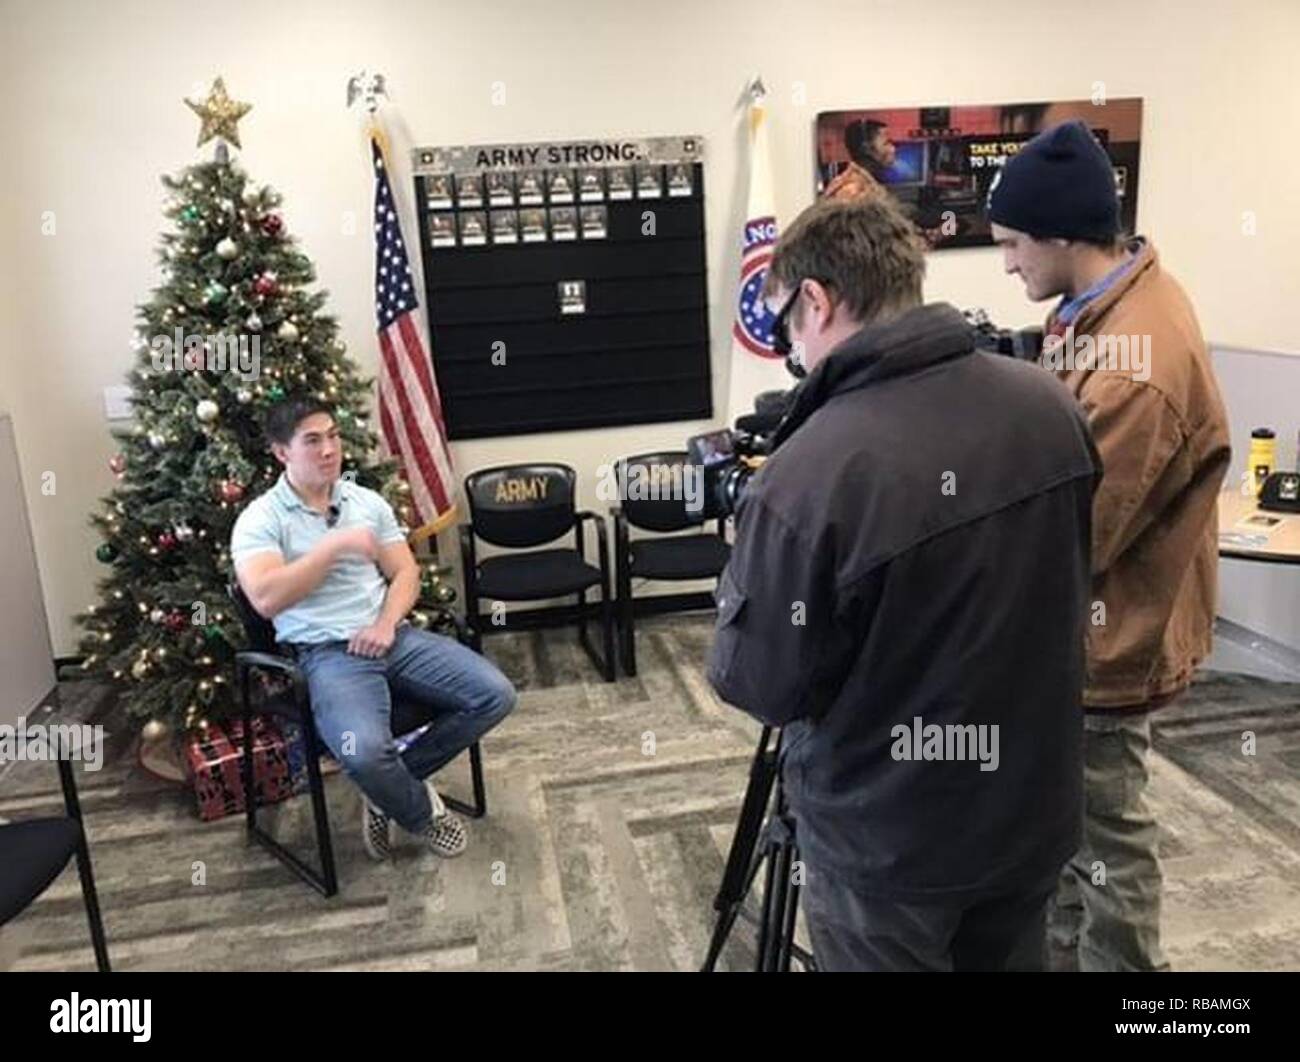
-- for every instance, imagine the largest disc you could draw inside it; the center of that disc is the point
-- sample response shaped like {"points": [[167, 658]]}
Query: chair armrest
{"points": [[247, 661], [602, 538], [587, 514], [467, 546], [622, 535], [469, 566]]}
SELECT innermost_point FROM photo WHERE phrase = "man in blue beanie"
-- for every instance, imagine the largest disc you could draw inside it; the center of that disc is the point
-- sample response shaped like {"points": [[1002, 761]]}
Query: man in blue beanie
{"points": [[1125, 340]]}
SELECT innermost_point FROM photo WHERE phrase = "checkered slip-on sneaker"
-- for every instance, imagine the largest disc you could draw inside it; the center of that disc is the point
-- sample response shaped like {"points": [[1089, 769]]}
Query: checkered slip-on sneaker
{"points": [[446, 834], [376, 832]]}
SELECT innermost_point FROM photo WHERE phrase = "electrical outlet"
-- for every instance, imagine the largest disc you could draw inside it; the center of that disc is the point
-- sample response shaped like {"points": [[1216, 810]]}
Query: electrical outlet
{"points": [[117, 403]]}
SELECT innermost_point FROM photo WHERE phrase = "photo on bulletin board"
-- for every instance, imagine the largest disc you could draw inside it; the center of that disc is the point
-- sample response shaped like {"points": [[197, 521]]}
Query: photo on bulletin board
{"points": [[619, 179], [438, 191], [564, 223], [473, 228], [505, 226], [590, 185], [532, 225], [649, 181], [595, 223], [501, 188], [938, 162], [531, 191], [469, 190], [442, 230], [559, 186]]}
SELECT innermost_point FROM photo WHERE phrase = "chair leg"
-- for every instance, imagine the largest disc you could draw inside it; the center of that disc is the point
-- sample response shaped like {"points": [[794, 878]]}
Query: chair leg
{"points": [[607, 621], [92, 906], [473, 621], [627, 627], [479, 808], [319, 809], [604, 663], [326, 880], [68, 782], [246, 769]]}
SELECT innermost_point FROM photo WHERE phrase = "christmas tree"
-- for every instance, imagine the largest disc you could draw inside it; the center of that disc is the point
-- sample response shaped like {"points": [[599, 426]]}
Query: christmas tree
{"points": [[234, 328]]}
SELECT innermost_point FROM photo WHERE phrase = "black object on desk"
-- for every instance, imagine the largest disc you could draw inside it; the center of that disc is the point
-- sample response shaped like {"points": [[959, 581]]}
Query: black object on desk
{"points": [[1281, 493]]}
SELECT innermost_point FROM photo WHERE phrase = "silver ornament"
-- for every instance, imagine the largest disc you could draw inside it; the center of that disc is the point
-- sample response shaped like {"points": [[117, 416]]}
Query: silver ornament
{"points": [[156, 615], [227, 248], [157, 440], [287, 331], [183, 532], [244, 396], [254, 323], [207, 411]]}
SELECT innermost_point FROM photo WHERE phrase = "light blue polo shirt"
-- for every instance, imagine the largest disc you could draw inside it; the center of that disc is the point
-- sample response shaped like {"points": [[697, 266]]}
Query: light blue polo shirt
{"points": [[351, 596]]}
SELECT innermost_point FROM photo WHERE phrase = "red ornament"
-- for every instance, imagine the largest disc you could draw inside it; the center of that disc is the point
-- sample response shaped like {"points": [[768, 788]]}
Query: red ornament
{"points": [[231, 491], [117, 464], [266, 285], [174, 622], [272, 224], [166, 540]]}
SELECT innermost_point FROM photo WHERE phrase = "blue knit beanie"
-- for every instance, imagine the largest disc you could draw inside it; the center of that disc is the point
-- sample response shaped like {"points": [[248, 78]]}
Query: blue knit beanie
{"points": [[1061, 184]]}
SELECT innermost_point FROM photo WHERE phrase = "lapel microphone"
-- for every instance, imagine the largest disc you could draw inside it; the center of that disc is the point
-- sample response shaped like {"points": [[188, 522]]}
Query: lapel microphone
{"points": [[333, 517]]}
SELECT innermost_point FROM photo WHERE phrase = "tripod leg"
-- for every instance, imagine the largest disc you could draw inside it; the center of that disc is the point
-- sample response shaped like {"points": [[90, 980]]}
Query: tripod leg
{"points": [[766, 938], [791, 912], [741, 863]]}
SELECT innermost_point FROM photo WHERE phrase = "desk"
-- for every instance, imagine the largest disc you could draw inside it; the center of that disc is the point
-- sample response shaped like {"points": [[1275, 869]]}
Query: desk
{"points": [[1243, 534]]}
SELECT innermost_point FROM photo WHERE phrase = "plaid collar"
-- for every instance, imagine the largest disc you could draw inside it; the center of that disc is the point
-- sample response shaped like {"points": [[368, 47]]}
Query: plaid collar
{"points": [[1069, 309]]}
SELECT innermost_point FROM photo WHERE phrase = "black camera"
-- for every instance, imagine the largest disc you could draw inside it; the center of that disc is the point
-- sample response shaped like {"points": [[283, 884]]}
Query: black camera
{"points": [[1025, 344], [727, 459]]}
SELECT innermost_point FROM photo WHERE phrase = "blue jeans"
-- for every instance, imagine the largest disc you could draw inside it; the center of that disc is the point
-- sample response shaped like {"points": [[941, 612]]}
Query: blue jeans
{"points": [[460, 693]]}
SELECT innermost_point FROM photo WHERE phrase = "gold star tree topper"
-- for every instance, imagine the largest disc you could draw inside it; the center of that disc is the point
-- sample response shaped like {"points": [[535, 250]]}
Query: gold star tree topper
{"points": [[219, 113]]}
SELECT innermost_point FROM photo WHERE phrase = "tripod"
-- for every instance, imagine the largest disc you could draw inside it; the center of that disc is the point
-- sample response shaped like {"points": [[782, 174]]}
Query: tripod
{"points": [[776, 944]]}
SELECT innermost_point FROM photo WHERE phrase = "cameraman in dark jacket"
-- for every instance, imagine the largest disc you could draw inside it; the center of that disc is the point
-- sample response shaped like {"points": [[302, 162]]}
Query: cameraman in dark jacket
{"points": [[907, 599]]}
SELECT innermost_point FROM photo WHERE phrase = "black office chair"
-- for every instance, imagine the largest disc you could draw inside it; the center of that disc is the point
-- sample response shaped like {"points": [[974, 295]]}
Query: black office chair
{"points": [[651, 486], [34, 852], [291, 701], [521, 506]]}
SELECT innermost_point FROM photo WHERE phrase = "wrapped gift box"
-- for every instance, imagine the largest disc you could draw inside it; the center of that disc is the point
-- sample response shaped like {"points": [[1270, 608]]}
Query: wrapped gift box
{"points": [[214, 763]]}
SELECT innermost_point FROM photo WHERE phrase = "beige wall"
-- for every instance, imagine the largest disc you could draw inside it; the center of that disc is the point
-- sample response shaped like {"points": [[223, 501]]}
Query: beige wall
{"points": [[92, 101]]}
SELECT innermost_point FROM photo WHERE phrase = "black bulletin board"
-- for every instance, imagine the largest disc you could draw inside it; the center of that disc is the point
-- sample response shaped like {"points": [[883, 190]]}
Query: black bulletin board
{"points": [[536, 330]]}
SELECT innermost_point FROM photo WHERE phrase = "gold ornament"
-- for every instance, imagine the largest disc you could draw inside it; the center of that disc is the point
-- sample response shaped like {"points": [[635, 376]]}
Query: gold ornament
{"points": [[154, 731], [220, 114]]}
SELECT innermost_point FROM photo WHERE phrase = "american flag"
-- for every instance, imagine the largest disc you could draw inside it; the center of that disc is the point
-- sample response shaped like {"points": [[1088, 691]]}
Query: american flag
{"points": [[410, 410], [755, 365]]}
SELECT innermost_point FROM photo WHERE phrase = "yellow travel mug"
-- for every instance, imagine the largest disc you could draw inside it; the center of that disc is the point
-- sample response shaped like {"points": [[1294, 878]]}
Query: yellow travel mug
{"points": [[1263, 456]]}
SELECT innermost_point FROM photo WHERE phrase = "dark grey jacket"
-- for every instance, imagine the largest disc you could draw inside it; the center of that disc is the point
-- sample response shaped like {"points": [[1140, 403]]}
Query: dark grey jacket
{"points": [[916, 553]]}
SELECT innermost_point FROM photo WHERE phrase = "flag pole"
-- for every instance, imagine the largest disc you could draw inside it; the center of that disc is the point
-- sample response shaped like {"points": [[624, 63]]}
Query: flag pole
{"points": [[366, 86]]}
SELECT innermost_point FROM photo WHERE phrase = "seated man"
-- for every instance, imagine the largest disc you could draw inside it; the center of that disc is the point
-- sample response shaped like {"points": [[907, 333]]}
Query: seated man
{"points": [[309, 554]]}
